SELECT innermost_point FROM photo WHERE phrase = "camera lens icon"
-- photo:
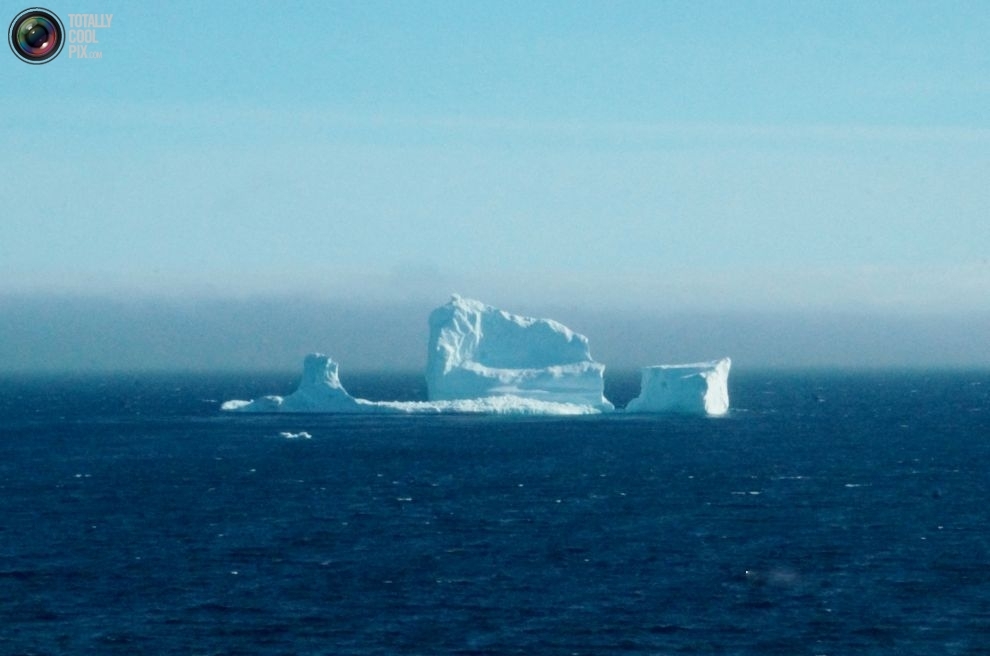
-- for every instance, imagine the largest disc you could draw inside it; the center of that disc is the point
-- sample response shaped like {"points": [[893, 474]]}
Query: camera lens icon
{"points": [[36, 36]]}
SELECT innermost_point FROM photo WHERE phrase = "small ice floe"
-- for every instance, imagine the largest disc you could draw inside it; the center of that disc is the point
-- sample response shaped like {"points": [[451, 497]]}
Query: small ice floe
{"points": [[303, 435]]}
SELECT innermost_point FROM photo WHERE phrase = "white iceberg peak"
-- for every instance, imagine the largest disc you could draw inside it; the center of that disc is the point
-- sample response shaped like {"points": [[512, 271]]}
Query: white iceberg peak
{"points": [[319, 369]]}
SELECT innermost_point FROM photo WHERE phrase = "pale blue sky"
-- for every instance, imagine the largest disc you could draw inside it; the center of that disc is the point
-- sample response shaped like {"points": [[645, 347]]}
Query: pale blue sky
{"points": [[651, 156], [693, 151]]}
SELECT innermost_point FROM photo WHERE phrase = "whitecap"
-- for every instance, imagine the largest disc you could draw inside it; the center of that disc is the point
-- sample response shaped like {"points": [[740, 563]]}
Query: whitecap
{"points": [[294, 436]]}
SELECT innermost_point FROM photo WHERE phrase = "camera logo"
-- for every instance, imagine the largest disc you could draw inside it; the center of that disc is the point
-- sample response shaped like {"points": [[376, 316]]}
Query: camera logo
{"points": [[36, 36]]}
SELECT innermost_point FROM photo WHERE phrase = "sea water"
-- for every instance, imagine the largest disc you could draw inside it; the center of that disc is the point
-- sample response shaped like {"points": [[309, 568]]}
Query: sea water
{"points": [[828, 513]]}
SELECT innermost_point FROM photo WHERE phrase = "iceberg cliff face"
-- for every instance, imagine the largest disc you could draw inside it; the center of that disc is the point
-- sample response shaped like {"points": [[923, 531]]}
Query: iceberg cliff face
{"points": [[477, 351], [701, 388]]}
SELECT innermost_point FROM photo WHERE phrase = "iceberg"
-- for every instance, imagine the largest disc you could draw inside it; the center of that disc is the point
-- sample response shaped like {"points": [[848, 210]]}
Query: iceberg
{"points": [[478, 351], [700, 388], [484, 360]]}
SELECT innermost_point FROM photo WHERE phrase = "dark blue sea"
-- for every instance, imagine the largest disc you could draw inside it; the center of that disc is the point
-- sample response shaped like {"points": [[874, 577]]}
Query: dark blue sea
{"points": [[829, 513]]}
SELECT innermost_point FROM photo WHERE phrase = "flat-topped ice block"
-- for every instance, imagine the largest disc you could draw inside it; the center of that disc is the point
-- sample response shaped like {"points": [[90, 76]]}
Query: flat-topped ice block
{"points": [[698, 388]]}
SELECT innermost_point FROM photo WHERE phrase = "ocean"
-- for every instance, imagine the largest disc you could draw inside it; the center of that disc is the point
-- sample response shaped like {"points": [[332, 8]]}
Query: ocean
{"points": [[829, 513]]}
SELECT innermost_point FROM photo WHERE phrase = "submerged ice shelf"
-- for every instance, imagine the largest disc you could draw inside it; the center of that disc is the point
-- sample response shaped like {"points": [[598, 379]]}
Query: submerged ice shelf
{"points": [[484, 360]]}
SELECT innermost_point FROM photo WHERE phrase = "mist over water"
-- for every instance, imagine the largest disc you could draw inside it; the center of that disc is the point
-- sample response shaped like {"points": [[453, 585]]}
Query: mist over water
{"points": [[78, 333]]}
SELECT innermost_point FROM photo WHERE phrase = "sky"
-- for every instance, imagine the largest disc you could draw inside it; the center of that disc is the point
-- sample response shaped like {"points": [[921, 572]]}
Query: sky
{"points": [[712, 165]]}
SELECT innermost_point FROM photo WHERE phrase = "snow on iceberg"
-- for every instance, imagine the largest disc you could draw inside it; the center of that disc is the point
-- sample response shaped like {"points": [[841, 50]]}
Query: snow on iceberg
{"points": [[478, 351], [690, 388]]}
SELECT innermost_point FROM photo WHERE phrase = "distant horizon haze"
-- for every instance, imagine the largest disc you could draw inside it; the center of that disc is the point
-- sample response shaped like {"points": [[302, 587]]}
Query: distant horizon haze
{"points": [[71, 333], [784, 183]]}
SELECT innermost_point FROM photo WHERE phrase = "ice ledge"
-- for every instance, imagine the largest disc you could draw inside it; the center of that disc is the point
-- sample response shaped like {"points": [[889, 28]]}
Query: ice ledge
{"points": [[320, 391]]}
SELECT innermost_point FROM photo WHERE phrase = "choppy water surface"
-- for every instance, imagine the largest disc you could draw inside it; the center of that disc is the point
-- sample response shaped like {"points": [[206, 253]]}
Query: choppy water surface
{"points": [[830, 513]]}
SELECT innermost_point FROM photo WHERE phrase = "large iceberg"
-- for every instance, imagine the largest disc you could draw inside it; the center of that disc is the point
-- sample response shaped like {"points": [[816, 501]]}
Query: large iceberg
{"points": [[484, 360], [689, 388], [477, 351]]}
